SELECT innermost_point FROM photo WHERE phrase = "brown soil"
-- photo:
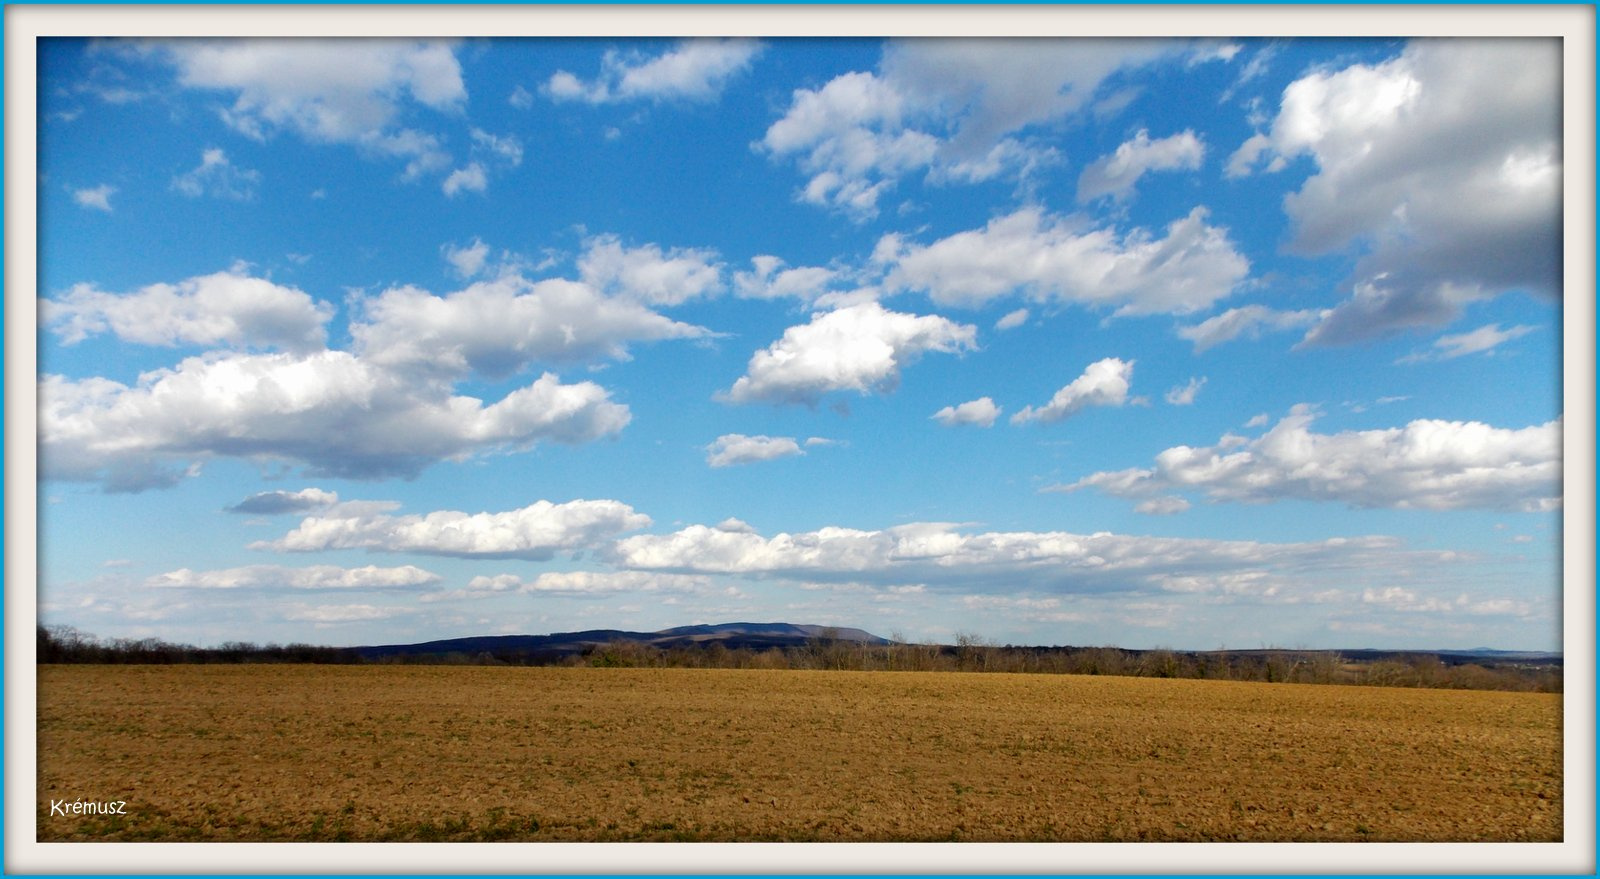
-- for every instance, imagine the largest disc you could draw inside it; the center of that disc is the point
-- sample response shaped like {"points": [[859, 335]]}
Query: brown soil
{"points": [[432, 753]]}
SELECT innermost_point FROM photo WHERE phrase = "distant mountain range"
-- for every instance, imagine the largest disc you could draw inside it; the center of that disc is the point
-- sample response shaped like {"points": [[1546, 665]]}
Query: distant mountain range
{"points": [[754, 636]]}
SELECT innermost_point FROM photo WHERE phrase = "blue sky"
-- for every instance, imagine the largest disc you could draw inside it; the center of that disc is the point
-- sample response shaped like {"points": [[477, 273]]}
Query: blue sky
{"points": [[1170, 342]]}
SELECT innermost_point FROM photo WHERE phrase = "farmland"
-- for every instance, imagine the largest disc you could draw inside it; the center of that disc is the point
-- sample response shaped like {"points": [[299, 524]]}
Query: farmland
{"points": [[323, 753]]}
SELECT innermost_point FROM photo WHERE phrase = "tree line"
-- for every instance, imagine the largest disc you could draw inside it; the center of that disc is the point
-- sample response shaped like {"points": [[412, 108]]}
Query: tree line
{"points": [[970, 653]]}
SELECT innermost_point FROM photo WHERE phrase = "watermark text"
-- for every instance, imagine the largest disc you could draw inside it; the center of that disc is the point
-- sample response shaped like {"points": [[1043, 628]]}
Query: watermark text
{"points": [[63, 808]]}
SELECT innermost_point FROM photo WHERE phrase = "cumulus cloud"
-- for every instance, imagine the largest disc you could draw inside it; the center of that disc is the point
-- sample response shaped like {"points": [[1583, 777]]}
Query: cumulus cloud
{"points": [[1248, 320], [388, 406], [273, 503], [227, 308], [1055, 259], [1440, 167], [647, 274], [97, 197], [1184, 395], [981, 412], [1114, 175], [958, 109], [537, 531], [315, 577], [334, 413], [695, 69], [770, 279], [1103, 383], [944, 556], [325, 89], [217, 177], [1428, 464], [1483, 340], [489, 151], [467, 260], [348, 91], [471, 178], [859, 348], [497, 327], [736, 448]]}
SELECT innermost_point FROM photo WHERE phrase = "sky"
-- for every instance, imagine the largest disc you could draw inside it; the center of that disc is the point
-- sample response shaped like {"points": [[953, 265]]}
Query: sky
{"points": [[1183, 343]]}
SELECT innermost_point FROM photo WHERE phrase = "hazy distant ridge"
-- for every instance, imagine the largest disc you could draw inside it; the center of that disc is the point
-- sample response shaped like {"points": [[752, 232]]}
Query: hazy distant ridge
{"points": [[757, 636]]}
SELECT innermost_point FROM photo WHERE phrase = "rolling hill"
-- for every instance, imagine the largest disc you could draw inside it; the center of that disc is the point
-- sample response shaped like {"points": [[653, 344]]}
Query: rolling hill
{"points": [[755, 636]]}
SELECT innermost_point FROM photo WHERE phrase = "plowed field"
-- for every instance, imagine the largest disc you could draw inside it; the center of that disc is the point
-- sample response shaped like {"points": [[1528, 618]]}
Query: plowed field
{"points": [[431, 753]]}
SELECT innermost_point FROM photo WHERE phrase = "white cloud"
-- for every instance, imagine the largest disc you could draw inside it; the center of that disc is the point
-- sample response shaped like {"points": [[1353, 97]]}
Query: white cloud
{"points": [[1114, 175], [1185, 394], [1498, 607], [319, 577], [537, 531], [847, 134], [1012, 320], [1248, 320], [858, 348], [769, 279], [1054, 259], [497, 327], [582, 583], [1483, 340], [736, 448], [271, 503], [421, 151], [981, 412], [217, 177], [1162, 506], [1440, 167], [326, 614], [472, 178], [1258, 64], [469, 260], [345, 91], [505, 149], [1428, 464], [329, 90], [1404, 600], [1103, 383], [940, 555], [1207, 51], [336, 414], [223, 308], [98, 197], [647, 274], [959, 108], [695, 69]]}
